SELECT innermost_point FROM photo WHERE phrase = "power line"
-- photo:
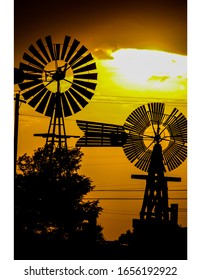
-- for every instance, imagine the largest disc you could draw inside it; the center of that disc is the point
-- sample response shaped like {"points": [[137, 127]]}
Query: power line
{"points": [[119, 213], [122, 211], [136, 190], [129, 198], [131, 185], [139, 98], [107, 163], [125, 99], [28, 115], [123, 102], [131, 213]]}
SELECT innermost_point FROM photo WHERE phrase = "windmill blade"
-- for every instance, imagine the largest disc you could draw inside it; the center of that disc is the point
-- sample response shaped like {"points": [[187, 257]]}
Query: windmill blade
{"points": [[82, 61], [30, 76], [31, 60], [66, 106], [178, 127], [174, 155], [138, 120], [72, 102], [36, 99], [73, 48], [48, 40], [134, 147], [27, 85], [174, 163], [171, 117], [89, 85], [78, 55], [65, 46], [18, 75], [86, 68], [43, 49], [33, 91], [43, 103], [144, 162], [156, 111], [78, 97], [83, 91], [57, 50], [51, 105], [89, 76], [101, 134], [34, 51], [29, 68]]}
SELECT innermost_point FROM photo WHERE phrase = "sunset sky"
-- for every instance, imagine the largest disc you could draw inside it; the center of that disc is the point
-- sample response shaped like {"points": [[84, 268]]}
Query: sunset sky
{"points": [[140, 49]]}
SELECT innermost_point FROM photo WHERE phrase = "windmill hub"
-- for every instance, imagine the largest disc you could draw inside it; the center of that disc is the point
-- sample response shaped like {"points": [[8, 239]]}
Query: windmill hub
{"points": [[153, 134], [59, 74]]}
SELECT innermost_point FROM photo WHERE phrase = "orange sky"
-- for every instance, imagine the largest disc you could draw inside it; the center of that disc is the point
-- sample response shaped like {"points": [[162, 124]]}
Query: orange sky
{"points": [[112, 32]]}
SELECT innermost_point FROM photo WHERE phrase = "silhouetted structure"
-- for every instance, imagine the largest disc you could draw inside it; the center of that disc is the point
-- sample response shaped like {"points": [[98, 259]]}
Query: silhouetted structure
{"points": [[59, 80], [156, 233]]}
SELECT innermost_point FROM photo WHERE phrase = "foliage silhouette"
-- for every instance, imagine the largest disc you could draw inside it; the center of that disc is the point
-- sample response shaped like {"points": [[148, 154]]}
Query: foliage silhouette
{"points": [[49, 200], [125, 238]]}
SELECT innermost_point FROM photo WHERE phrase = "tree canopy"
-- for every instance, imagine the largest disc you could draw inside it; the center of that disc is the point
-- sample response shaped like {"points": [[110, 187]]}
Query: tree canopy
{"points": [[49, 198]]}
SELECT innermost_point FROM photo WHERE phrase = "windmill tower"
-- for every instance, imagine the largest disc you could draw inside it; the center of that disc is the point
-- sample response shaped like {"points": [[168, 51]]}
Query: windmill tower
{"points": [[59, 81], [154, 142]]}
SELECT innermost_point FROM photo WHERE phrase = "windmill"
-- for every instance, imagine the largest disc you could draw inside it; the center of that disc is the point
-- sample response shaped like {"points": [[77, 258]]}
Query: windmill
{"points": [[154, 142], [58, 81]]}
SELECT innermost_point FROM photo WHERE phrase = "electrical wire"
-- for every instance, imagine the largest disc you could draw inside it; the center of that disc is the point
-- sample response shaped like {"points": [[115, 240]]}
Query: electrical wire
{"points": [[129, 198], [135, 190], [28, 115]]}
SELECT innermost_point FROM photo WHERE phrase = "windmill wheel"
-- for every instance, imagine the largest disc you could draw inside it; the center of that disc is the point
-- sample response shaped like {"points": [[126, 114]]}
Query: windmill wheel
{"points": [[148, 125], [60, 76]]}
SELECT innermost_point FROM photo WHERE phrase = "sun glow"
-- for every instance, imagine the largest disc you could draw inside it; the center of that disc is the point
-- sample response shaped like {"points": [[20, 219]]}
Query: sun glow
{"points": [[151, 69]]}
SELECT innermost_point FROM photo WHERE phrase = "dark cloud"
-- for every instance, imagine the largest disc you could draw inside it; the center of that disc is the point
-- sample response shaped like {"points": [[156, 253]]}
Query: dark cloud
{"points": [[102, 54], [158, 78]]}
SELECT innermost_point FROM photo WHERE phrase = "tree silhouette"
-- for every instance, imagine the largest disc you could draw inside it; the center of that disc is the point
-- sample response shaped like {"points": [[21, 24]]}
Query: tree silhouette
{"points": [[49, 199], [126, 238]]}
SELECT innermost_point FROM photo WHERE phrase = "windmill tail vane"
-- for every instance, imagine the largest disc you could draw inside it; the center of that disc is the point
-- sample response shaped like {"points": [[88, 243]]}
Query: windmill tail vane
{"points": [[101, 134]]}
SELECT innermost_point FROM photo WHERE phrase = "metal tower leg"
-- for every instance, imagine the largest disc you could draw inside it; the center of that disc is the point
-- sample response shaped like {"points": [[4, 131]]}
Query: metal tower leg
{"points": [[155, 203]]}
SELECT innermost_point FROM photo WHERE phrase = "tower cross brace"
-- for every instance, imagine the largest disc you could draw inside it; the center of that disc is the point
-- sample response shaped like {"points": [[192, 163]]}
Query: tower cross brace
{"points": [[155, 202]]}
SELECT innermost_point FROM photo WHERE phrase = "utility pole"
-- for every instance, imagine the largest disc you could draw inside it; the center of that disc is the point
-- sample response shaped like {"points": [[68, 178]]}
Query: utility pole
{"points": [[16, 127], [18, 78]]}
